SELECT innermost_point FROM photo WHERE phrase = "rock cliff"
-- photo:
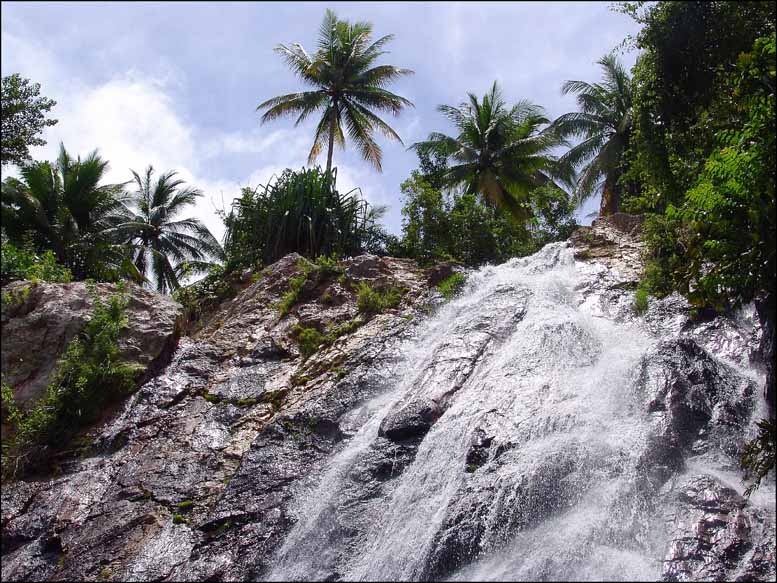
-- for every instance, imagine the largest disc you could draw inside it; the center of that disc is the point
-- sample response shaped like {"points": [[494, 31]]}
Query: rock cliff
{"points": [[534, 428]]}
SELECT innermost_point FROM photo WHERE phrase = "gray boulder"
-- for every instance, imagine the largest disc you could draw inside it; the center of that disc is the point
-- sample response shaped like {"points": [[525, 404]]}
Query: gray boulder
{"points": [[40, 319]]}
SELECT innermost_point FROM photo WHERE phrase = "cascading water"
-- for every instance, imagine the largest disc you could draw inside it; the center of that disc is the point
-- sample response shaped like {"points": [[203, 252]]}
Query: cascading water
{"points": [[525, 439]]}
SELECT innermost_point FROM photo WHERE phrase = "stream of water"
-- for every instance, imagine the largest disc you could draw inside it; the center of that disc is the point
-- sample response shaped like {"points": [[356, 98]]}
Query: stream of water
{"points": [[535, 468]]}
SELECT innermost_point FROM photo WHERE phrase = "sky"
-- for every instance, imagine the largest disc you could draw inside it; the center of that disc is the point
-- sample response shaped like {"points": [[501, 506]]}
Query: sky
{"points": [[176, 84]]}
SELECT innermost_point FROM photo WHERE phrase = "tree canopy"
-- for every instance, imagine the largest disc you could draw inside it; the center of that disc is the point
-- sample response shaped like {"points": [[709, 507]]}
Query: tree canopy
{"points": [[23, 118]]}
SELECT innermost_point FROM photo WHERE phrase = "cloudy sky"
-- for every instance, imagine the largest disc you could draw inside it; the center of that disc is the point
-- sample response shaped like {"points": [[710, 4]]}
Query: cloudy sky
{"points": [[176, 85]]}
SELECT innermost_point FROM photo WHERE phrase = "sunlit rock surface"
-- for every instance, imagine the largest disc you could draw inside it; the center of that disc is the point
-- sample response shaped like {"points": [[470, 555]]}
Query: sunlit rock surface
{"points": [[42, 318], [534, 428]]}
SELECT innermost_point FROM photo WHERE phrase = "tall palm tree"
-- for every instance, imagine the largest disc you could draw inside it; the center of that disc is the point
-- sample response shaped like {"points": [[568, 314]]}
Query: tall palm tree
{"points": [[604, 123], [348, 86], [499, 152], [63, 207], [157, 239]]}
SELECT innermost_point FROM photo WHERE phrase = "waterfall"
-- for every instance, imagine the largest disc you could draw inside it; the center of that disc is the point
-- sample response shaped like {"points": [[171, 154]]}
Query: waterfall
{"points": [[525, 438]]}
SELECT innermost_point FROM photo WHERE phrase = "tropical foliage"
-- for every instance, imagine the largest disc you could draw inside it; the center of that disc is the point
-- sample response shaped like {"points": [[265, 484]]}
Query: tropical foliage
{"points": [[440, 224], [161, 243], [348, 88], [604, 125], [499, 152], [26, 263], [23, 118], [302, 212], [65, 208]]}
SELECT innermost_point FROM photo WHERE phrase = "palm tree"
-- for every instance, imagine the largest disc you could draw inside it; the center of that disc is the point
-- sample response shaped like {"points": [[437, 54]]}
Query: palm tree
{"points": [[156, 237], [63, 207], [604, 123], [499, 152], [347, 87]]}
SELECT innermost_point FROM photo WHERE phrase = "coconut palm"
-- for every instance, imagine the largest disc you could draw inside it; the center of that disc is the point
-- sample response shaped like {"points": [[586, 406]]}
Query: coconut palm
{"points": [[499, 152], [161, 244], [604, 123], [348, 88], [63, 207]]}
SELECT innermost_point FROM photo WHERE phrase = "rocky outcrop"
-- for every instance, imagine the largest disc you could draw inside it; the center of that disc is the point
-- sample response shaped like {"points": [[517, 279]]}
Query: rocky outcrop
{"points": [[191, 478], [535, 428], [40, 319], [613, 241], [717, 535]]}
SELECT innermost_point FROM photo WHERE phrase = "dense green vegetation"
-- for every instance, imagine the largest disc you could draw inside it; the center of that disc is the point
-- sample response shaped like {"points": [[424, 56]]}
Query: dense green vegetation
{"points": [[63, 209], [300, 211], [23, 118], [441, 224], [90, 377], [25, 263], [701, 158]]}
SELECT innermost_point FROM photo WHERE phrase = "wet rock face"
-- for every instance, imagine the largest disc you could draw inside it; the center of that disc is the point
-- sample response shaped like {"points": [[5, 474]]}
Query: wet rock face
{"points": [[43, 318], [459, 446], [717, 536], [191, 478]]}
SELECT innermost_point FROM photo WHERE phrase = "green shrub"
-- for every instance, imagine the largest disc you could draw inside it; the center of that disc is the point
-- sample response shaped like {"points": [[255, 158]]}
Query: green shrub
{"points": [[291, 297], [452, 285], [14, 299], [759, 455], [371, 301], [25, 263], [327, 266], [309, 340], [90, 377], [9, 412], [179, 519], [346, 328], [206, 293], [641, 299]]}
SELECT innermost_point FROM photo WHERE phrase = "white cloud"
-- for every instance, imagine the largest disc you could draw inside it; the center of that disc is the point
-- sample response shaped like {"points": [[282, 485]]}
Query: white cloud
{"points": [[134, 121]]}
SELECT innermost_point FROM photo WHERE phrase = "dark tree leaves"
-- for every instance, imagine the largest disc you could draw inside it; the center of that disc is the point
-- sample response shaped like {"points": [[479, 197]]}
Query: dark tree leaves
{"points": [[23, 118]]}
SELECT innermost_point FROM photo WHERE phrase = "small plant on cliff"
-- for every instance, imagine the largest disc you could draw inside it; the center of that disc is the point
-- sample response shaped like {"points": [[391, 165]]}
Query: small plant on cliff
{"points": [[292, 296], [452, 285], [9, 412], [641, 299], [371, 301], [90, 376], [759, 455], [204, 295], [309, 340], [327, 266]]}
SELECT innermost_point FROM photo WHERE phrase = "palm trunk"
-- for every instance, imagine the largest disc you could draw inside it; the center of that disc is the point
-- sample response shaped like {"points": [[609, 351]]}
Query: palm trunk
{"points": [[610, 196], [331, 138]]}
